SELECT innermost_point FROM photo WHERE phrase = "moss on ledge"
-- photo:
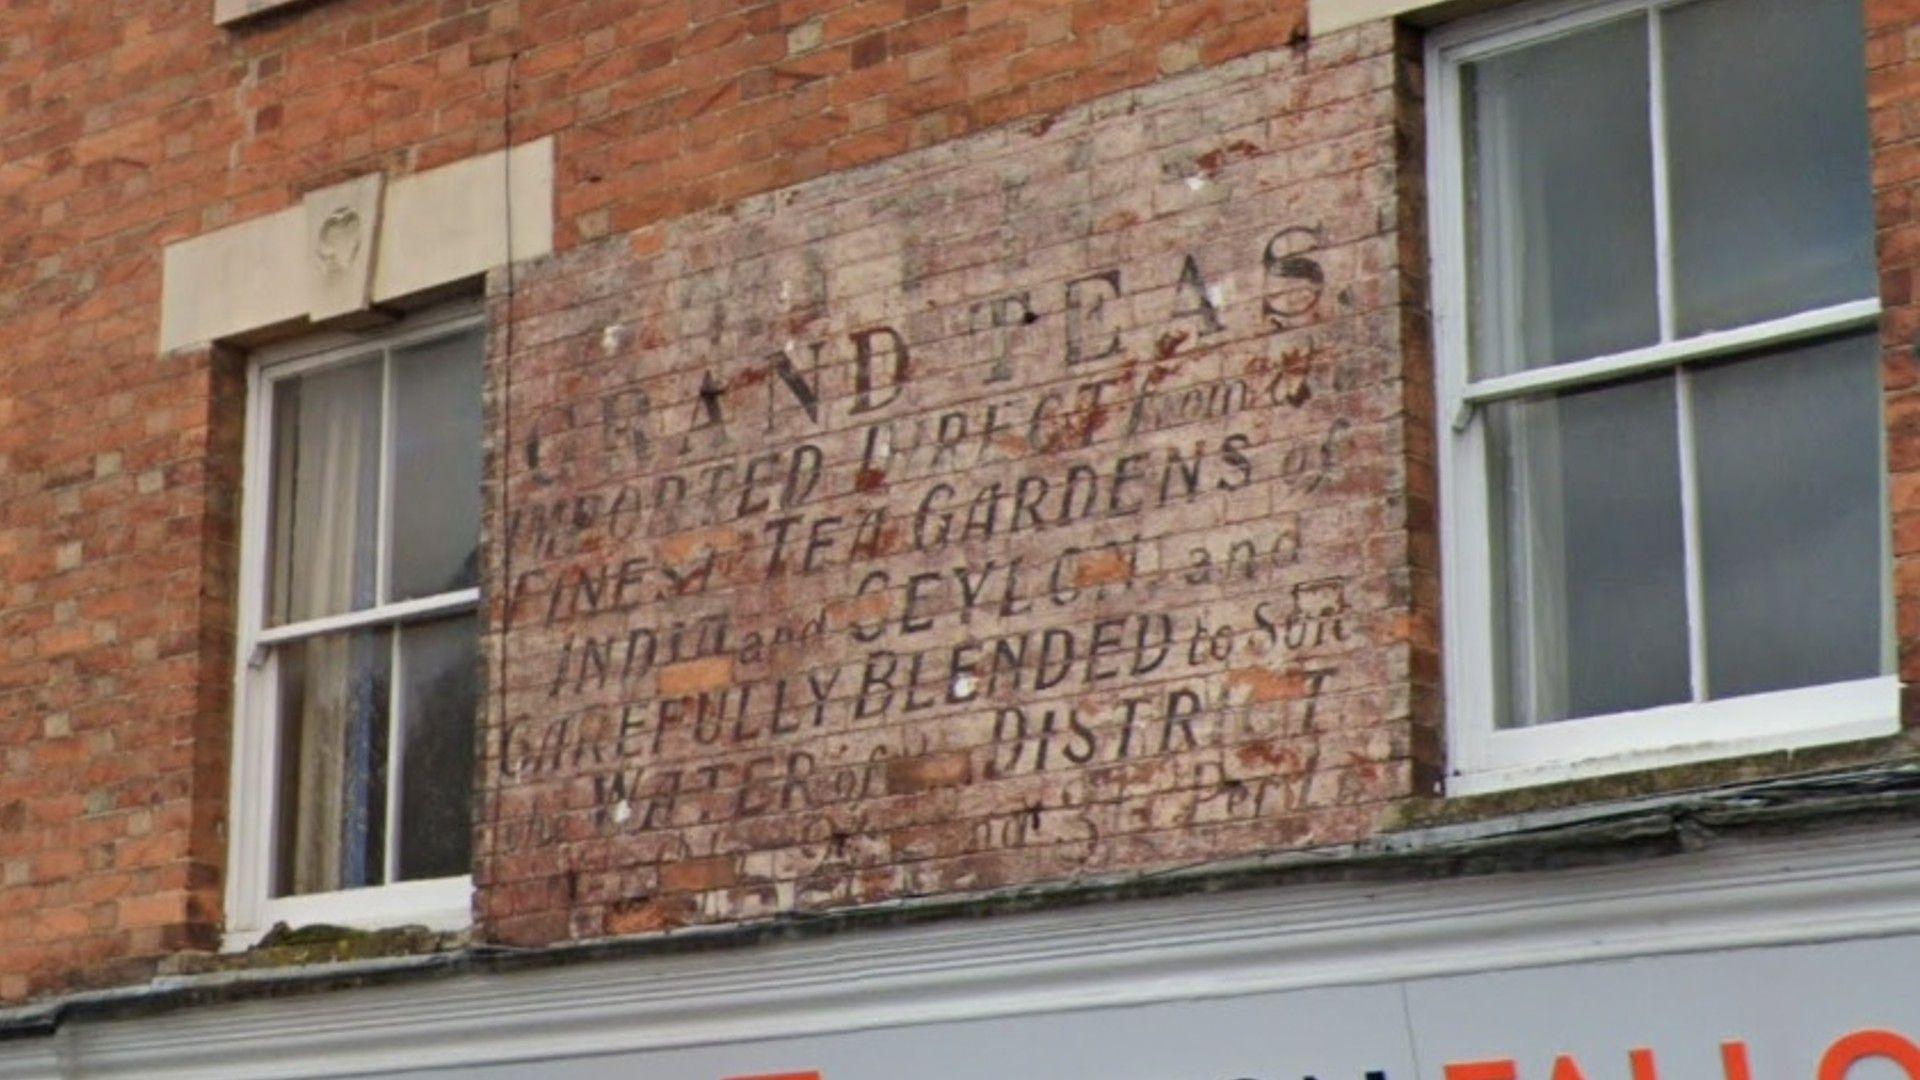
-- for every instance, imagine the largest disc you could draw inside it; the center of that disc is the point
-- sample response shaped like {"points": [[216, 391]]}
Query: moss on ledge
{"points": [[285, 946]]}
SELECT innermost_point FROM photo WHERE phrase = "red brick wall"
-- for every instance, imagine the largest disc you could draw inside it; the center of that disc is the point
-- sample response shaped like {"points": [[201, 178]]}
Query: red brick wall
{"points": [[1893, 76], [768, 177], [125, 126], [1022, 508]]}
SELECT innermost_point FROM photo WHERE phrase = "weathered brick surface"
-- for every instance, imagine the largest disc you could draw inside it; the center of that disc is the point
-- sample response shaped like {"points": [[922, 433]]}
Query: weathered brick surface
{"points": [[1156, 270], [1893, 78], [127, 125], [1026, 507]]}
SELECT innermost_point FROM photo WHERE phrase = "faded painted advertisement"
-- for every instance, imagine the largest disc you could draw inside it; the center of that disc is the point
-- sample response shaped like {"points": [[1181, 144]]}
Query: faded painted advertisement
{"points": [[990, 516]]}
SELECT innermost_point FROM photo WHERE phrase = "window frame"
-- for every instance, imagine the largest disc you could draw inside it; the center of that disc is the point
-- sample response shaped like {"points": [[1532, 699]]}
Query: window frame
{"points": [[1482, 757], [438, 903]]}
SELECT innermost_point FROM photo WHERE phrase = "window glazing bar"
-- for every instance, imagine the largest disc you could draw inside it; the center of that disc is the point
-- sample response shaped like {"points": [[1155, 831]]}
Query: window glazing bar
{"points": [[396, 739], [1662, 190], [1696, 579], [464, 599], [1694, 573], [383, 507], [1852, 315]]}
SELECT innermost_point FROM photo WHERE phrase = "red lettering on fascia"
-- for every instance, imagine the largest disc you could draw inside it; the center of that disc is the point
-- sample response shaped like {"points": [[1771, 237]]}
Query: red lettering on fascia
{"points": [[1565, 1068], [1733, 1060], [1483, 1070], [1863, 1045]]}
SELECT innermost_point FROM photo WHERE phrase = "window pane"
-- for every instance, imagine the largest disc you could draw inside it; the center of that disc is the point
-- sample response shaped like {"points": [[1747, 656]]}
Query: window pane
{"points": [[436, 465], [325, 491], [333, 762], [1560, 202], [439, 662], [1767, 122], [1789, 457], [1588, 542]]}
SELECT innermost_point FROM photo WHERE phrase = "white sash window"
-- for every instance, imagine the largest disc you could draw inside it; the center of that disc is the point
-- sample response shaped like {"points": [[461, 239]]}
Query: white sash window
{"points": [[353, 756], [1656, 300]]}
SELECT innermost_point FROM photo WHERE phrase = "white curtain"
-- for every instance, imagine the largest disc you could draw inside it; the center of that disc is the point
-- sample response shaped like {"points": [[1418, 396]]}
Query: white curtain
{"points": [[326, 452], [1513, 322]]}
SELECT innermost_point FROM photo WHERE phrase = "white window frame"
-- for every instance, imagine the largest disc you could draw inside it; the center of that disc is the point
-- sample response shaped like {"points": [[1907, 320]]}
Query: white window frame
{"points": [[1482, 758], [437, 903]]}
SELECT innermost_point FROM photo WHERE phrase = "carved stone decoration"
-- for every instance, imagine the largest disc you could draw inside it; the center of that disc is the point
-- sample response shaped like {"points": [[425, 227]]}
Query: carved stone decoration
{"points": [[343, 224], [341, 240]]}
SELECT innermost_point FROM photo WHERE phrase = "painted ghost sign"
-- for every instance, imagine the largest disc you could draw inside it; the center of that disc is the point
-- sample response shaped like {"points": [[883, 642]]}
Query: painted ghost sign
{"points": [[967, 521]]}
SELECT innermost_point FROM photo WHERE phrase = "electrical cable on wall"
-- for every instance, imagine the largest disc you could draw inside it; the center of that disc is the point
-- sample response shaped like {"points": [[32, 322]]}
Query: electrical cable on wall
{"points": [[505, 453]]}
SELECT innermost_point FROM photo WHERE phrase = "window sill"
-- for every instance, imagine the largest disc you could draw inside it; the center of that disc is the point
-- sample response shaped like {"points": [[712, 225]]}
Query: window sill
{"points": [[1629, 742], [442, 904]]}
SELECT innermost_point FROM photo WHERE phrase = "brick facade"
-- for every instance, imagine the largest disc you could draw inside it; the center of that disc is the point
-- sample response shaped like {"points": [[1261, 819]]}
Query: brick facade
{"points": [[1012, 510], [1893, 58], [954, 446]]}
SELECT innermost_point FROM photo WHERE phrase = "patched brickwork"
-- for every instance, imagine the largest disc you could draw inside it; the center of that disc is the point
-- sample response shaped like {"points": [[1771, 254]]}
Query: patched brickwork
{"points": [[124, 127], [957, 444], [1027, 508]]}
